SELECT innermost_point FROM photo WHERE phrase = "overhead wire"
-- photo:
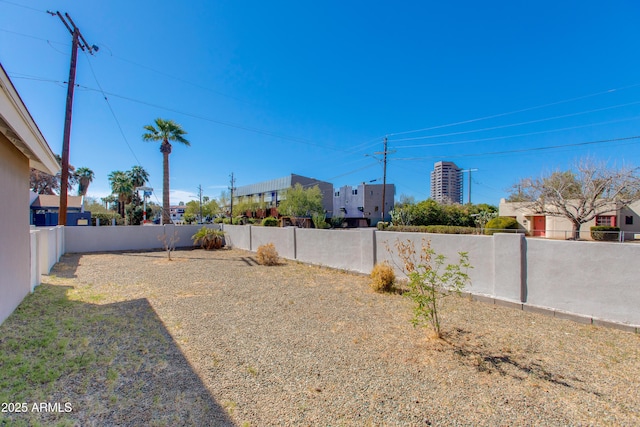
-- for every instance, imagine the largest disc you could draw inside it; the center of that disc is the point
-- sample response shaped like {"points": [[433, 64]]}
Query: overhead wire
{"points": [[493, 116], [111, 110], [523, 150], [519, 124], [466, 141]]}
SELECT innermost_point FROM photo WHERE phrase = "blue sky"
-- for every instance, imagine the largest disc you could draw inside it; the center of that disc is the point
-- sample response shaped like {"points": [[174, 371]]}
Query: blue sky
{"points": [[265, 89]]}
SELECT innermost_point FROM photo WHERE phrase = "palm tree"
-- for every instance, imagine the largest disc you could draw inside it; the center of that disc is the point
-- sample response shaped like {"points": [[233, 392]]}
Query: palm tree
{"points": [[165, 131], [139, 176], [85, 177], [122, 186]]}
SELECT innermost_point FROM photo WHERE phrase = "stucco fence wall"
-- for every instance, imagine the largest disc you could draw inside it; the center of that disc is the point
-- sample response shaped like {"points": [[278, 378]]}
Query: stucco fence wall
{"points": [[127, 238], [47, 246], [593, 282]]}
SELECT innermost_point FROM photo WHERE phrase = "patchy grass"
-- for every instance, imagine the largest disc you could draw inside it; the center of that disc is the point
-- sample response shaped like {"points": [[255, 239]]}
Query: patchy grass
{"points": [[101, 364]]}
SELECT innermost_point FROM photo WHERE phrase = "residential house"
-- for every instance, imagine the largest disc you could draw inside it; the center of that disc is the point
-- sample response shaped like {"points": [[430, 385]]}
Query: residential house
{"points": [[627, 218], [177, 213], [45, 208], [22, 147], [361, 206]]}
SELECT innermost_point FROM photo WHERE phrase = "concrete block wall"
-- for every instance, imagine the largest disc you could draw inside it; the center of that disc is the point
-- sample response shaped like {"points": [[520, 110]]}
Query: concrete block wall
{"points": [[590, 281], [480, 250], [127, 238], [599, 280]]}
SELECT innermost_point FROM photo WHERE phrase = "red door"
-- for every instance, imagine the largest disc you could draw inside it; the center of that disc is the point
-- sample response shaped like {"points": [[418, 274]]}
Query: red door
{"points": [[539, 226]]}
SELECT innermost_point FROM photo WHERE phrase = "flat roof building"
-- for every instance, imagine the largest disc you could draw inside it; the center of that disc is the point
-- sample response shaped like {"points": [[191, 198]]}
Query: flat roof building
{"points": [[268, 194], [364, 201]]}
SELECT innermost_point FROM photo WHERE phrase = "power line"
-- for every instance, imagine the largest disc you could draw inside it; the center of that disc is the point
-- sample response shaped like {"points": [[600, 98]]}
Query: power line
{"points": [[22, 6], [523, 150], [517, 111], [466, 141], [113, 112], [519, 124]]}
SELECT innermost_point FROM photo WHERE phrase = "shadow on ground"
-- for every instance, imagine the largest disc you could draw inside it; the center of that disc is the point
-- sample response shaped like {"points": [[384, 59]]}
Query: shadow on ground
{"points": [[114, 364]]}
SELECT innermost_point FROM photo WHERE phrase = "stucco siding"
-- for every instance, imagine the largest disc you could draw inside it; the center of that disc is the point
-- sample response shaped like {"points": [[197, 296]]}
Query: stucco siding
{"points": [[15, 252]]}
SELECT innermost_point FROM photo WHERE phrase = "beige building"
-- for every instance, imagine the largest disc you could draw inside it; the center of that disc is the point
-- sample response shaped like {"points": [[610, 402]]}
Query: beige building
{"points": [[22, 147], [556, 227]]}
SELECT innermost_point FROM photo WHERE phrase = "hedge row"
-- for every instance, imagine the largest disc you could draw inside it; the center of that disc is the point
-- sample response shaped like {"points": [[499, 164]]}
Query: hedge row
{"points": [[441, 229]]}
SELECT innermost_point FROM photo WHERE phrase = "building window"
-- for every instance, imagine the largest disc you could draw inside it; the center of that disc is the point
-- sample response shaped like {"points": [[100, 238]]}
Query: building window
{"points": [[336, 194], [604, 220], [376, 209], [354, 192], [628, 220]]}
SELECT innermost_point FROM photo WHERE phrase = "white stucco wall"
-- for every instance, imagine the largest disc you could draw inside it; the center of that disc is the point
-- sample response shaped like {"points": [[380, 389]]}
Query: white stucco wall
{"points": [[15, 252]]}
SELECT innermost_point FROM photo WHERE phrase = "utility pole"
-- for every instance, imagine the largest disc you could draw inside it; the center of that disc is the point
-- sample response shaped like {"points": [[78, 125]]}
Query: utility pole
{"points": [[78, 41], [200, 197], [231, 189], [469, 189], [384, 174]]}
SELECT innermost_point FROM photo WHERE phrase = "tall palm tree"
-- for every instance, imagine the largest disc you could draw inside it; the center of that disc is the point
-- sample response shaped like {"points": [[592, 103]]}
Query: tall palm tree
{"points": [[85, 177], [122, 186], [165, 131]]}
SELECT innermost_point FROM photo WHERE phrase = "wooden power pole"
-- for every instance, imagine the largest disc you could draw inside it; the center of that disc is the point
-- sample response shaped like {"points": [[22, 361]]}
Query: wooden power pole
{"points": [[384, 174], [78, 41]]}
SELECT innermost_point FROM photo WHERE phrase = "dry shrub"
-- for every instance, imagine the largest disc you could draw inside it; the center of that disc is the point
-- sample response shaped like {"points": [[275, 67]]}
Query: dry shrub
{"points": [[267, 254], [382, 277]]}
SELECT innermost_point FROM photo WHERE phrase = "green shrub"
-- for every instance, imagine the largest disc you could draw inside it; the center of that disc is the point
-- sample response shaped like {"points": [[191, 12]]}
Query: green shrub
{"points": [[218, 220], [430, 280], [270, 222], [381, 225], [320, 220], [267, 254], [336, 221], [237, 221], [605, 233], [105, 218], [382, 277], [440, 229], [500, 225]]}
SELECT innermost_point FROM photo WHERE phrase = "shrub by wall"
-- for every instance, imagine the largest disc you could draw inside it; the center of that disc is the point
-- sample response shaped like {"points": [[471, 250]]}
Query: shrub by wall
{"points": [[106, 218], [605, 233], [270, 222], [440, 229], [500, 225]]}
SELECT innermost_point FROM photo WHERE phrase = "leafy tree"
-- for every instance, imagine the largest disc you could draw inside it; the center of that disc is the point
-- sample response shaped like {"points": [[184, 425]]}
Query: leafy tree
{"points": [[209, 208], [430, 212], [430, 281], [166, 131], [301, 202], [579, 195], [43, 183]]}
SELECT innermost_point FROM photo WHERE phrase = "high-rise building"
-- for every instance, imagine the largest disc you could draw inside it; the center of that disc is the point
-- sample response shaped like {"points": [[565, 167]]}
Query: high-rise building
{"points": [[446, 183]]}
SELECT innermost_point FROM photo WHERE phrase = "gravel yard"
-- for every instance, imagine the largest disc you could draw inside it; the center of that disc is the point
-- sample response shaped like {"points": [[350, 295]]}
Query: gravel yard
{"points": [[236, 343]]}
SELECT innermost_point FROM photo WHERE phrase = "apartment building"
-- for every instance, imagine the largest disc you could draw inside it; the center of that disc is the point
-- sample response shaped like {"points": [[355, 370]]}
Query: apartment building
{"points": [[363, 202], [269, 194], [446, 183]]}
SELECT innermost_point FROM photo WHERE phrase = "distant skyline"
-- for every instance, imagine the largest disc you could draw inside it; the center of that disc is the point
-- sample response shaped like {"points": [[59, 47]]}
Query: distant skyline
{"points": [[266, 89]]}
